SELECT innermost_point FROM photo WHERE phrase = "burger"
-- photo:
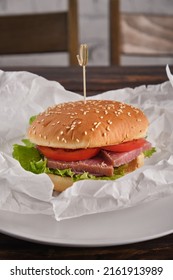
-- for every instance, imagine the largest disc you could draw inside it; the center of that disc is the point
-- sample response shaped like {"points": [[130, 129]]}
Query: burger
{"points": [[92, 139]]}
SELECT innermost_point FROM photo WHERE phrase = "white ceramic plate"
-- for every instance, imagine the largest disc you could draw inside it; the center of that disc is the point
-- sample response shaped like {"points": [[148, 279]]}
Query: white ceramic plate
{"points": [[140, 223]]}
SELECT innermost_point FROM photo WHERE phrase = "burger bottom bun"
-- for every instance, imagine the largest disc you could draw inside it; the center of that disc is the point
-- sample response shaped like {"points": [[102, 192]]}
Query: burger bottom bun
{"points": [[62, 183]]}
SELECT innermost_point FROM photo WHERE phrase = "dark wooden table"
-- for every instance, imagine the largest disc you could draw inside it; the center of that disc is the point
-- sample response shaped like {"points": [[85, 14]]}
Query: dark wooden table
{"points": [[99, 79]]}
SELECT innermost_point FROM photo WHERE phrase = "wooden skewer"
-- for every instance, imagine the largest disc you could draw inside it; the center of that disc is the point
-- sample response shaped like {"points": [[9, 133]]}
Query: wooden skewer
{"points": [[82, 58]]}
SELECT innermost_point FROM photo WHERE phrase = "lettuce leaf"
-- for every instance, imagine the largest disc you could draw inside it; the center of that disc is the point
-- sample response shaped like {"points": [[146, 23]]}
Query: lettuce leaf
{"points": [[28, 143], [32, 119], [26, 155], [149, 153]]}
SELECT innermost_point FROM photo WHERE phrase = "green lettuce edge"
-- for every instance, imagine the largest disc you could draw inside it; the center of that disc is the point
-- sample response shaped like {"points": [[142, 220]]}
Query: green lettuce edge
{"points": [[149, 153]]}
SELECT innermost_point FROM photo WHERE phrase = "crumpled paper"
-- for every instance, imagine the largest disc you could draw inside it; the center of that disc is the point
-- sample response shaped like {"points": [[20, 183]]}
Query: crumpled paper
{"points": [[23, 94]]}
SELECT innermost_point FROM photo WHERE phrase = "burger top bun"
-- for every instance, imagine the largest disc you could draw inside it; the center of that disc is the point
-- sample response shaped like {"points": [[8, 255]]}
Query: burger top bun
{"points": [[95, 123]]}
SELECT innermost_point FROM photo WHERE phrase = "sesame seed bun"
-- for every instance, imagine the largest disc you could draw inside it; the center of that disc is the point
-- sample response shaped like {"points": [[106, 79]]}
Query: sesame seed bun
{"points": [[96, 123]]}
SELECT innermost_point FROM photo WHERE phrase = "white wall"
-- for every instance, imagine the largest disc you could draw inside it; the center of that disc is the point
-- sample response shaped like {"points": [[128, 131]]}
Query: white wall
{"points": [[93, 21]]}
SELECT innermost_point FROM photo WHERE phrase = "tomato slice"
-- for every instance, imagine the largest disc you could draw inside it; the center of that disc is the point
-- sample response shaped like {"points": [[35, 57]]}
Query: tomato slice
{"points": [[68, 154], [126, 146]]}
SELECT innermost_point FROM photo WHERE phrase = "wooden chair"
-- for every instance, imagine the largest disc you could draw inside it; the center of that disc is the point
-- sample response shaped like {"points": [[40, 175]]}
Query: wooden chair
{"points": [[41, 33], [139, 34]]}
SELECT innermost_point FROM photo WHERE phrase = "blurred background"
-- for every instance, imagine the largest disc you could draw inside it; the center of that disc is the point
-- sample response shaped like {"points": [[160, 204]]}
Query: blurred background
{"points": [[93, 19]]}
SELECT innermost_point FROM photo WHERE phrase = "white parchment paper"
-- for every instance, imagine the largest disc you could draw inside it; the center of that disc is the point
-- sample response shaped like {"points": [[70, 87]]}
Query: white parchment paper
{"points": [[24, 94]]}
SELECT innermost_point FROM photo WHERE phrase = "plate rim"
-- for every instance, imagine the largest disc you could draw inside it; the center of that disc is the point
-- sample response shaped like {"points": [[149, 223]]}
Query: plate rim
{"points": [[82, 245]]}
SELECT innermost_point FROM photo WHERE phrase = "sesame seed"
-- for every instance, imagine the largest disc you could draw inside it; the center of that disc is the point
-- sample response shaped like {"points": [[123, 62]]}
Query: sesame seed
{"points": [[85, 132], [101, 117], [129, 114], [97, 124], [77, 140], [61, 132], [139, 120], [122, 105], [109, 122], [120, 110], [92, 128], [64, 140], [73, 125], [57, 137], [53, 124], [108, 128], [45, 137]]}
